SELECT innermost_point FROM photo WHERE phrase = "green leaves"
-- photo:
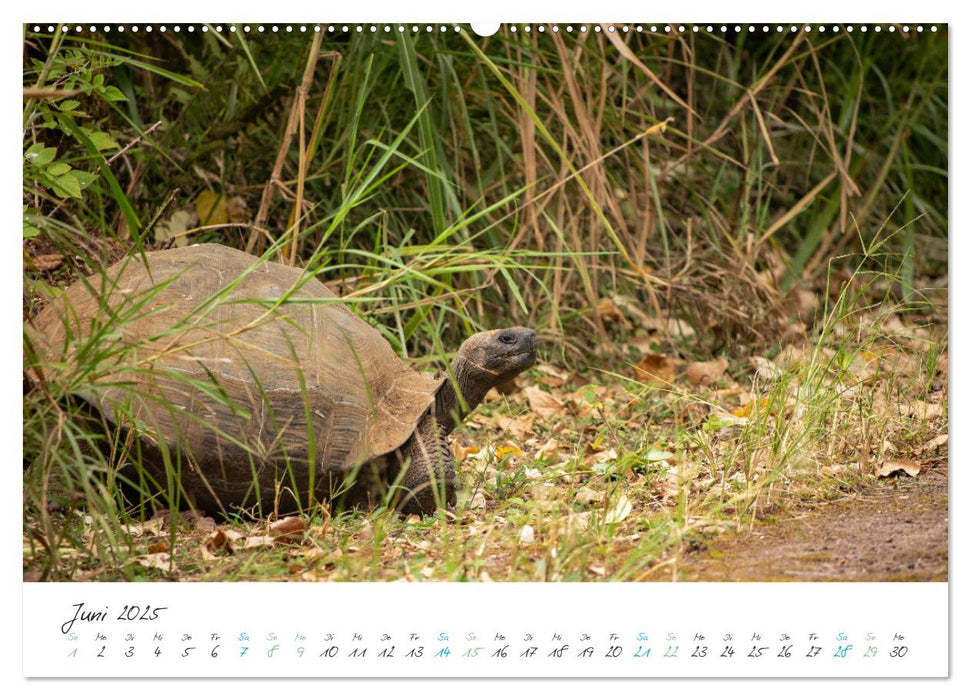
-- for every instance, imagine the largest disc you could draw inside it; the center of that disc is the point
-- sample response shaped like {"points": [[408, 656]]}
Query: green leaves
{"points": [[68, 186], [69, 107], [100, 139], [30, 230], [58, 176], [40, 155], [113, 94], [58, 169]]}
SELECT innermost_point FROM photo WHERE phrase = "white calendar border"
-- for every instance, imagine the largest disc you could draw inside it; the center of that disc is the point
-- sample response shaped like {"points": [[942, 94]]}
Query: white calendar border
{"points": [[501, 9], [581, 630]]}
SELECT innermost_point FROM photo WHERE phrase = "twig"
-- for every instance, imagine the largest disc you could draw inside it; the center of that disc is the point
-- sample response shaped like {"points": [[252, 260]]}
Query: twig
{"points": [[214, 227], [306, 151], [158, 215], [45, 93], [131, 144], [295, 116]]}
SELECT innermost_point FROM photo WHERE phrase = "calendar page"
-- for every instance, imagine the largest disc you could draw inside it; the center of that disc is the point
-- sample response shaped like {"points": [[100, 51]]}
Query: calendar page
{"points": [[374, 348]]}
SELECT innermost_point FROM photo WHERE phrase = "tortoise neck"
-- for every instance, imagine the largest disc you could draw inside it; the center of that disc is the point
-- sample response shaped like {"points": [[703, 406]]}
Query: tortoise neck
{"points": [[450, 407]]}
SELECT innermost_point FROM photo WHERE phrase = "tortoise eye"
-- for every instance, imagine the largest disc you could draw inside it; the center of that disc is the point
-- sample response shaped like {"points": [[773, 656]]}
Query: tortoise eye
{"points": [[507, 339]]}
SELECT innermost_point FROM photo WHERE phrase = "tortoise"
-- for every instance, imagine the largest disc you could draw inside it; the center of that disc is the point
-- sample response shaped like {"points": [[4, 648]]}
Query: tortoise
{"points": [[252, 384]]}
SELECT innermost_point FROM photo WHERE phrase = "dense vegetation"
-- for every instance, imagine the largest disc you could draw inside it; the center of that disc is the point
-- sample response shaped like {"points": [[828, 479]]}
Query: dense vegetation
{"points": [[612, 187]]}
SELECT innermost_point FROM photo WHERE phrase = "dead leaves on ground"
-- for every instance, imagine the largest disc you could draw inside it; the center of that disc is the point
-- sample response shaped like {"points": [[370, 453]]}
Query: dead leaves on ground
{"points": [[200, 540], [895, 466], [721, 396], [543, 403], [701, 374], [46, 262], [654, 368], [209, 209], [227, 540]]}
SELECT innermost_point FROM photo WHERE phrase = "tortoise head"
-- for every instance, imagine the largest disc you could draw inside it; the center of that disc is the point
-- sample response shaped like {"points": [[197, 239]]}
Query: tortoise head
{"points": [[483, 361], [494, 357]]}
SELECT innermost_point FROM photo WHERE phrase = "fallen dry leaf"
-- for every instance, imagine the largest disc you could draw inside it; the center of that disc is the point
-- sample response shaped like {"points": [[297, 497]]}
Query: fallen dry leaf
{"points": [[549, 449], [892, 324], [289, 529], [765, 370], [577, 521], [508, 449], [607, 455], [213, 208], [654, 368], [794, 333], [833, 470], [643, 344], [259, 541], [719, 419], [745, 410], [921, 410], [619, 511], [520, 427], [587, 495], [799, 303], [789, 357], [611, 315], [632, 309], [175, 226], [674, 327], [460, 451], [364, 534], [589, 396], [552, 376], [546, 405], [865, 364], [47, 262], [154, 527], [892, 466], [939, 441], [508, 387], [701, 374], [219, 542], [160, 560]]}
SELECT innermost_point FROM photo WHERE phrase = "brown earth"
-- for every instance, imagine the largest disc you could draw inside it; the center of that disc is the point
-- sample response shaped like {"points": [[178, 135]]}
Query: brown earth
{"points": [[893, 530]]}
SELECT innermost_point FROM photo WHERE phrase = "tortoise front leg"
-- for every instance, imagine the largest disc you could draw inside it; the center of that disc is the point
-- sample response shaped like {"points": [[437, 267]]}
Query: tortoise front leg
{"points": [[429, 477]]}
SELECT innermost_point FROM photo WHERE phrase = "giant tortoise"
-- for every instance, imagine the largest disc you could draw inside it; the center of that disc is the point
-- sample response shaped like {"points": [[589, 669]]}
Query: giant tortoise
{"points": [[251, 385]]}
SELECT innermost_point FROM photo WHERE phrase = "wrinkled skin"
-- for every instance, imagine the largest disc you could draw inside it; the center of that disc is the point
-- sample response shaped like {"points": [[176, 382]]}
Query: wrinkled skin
{"points": [[482, 362]]}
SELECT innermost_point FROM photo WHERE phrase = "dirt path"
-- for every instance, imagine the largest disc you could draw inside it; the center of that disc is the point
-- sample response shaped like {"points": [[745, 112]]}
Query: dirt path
{"points": [[894, 530]]}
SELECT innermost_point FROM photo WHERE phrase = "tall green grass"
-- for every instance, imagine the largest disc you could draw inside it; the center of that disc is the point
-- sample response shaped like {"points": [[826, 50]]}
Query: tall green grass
{"points": [[445, 183]]}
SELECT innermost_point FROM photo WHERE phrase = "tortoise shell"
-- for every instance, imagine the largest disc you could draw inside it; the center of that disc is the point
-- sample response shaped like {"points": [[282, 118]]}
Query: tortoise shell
{"points": [[247, 379]]}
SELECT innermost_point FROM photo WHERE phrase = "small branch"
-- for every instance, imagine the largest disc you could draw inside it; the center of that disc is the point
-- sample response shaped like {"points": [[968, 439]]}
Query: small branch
{"points": [[134, 142], [48, 93], [296, 110], [161, 211]]}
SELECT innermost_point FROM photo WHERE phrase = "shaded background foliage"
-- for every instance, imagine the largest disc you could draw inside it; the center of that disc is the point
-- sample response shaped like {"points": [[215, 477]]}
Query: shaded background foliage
{"points": [[520, 178]]}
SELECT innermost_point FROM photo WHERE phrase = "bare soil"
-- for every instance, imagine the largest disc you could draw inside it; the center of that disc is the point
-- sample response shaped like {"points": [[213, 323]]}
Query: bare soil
{"points": [[893, 530]]}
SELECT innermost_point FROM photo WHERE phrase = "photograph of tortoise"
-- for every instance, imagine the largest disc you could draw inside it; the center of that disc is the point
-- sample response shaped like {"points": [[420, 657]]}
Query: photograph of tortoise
{"points": [[252, 385]]}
